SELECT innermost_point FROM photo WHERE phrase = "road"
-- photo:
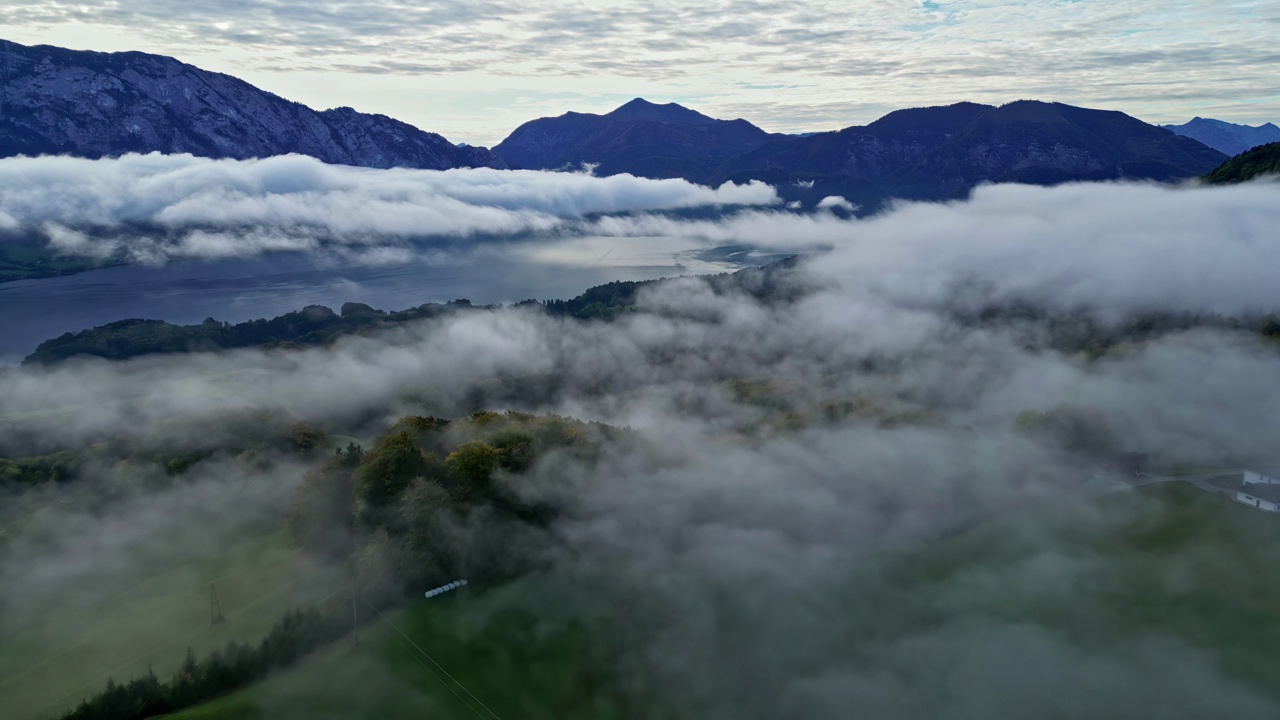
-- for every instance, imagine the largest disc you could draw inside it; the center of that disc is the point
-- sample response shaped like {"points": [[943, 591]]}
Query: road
{"points": [[1199, 481]]}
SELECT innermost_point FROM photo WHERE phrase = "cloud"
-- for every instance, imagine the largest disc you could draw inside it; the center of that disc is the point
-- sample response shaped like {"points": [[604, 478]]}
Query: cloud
{"points": [[889, 290], [1116, 247], [216, 208], [795, 455], [831, 202]]}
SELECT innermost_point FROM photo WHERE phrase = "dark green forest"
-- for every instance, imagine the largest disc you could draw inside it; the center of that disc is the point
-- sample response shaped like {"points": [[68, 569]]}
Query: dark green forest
{"points": [[1262, 160]]}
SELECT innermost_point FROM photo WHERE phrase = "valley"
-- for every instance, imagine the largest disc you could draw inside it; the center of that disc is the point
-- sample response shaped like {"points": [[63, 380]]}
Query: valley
{"points": [[625, 360]]}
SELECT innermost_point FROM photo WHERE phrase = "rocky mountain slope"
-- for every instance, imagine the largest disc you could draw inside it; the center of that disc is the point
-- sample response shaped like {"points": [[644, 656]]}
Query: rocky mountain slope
{"points": [[641, 138], [92, 104], [1226, 137]]}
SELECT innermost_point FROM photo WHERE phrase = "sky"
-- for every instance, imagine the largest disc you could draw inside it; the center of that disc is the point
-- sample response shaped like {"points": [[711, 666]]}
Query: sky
{"points": [[474, 70]]}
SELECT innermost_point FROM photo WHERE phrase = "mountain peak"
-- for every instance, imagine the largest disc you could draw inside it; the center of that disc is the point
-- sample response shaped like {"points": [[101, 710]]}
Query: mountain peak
{"points": [[1227, 137], [641, 137], [638, 103], [641, 109]]}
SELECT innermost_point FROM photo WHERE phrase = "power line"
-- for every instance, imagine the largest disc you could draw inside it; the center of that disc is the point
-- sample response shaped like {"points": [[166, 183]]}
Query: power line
{"points": [[433, 662], [437, 676]]}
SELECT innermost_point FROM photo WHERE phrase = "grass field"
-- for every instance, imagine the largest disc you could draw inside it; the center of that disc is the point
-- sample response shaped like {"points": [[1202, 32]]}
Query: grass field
{"points": [[1167, 561], [47, 669], [1177, 562], [513, 665]]}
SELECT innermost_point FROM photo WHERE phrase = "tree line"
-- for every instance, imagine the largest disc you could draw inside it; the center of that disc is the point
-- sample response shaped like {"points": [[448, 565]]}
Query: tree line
{"points": [[236, 666], [251, 436], [320, 325]]}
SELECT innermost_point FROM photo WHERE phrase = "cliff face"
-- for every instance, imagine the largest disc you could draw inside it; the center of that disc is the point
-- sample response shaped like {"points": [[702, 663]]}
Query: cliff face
{"points": [[90, 104]]}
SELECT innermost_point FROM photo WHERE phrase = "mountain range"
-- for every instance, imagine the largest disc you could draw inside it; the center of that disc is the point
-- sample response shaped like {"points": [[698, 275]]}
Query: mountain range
{"points": [[92, 104], [943, 152], [922, 153], [1226, 137]]}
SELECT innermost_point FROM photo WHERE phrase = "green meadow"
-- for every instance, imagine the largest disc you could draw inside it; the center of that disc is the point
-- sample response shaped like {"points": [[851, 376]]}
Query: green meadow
{"points": [[48, 668]]}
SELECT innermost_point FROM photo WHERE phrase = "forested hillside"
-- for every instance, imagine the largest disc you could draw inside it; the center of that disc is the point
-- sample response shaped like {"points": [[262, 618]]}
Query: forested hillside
{"points": [[1258, 162]]}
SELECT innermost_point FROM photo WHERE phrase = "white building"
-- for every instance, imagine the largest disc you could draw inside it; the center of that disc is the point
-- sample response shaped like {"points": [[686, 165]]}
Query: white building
{"points": [[1259, 491], [1252, 477]]}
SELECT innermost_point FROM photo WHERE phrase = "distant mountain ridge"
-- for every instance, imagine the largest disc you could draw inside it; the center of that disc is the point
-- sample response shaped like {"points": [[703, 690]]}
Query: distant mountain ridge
{"points": [[1226, 137], [92, 104], [919, 153], [640, 137], [944, 152]]}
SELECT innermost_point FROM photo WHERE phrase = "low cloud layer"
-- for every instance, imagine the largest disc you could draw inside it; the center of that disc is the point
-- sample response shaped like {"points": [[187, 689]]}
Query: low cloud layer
{"points": [[154, 207], [889, 285], [794, 451], [1116, 247]]}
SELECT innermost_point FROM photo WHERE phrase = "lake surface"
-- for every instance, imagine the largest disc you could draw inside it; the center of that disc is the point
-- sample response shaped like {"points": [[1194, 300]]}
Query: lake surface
{"points": [[235, 290]]}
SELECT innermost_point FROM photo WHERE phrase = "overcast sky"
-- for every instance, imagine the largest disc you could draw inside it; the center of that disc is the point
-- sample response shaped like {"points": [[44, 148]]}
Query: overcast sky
{"points": [[475, 69]]}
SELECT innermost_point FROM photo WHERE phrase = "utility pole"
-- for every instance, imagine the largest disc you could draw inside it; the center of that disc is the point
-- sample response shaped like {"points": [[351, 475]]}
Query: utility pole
{"points": [[215, 610]]}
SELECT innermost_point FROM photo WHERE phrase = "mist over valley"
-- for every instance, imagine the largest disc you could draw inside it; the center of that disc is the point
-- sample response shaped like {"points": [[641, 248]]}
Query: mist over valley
{"points": [[967, 411]]}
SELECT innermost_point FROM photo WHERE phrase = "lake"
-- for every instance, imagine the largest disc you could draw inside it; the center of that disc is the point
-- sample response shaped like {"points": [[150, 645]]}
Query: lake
{"points": [[235, 290]]}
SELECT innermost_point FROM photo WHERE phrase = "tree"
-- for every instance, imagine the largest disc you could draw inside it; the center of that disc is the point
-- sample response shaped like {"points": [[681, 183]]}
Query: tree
{"points": [[433, 541], [320, 516], [387, 469], [350, 457], [1270, 326], [516, 449], [302, 436], [471, 465]]}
